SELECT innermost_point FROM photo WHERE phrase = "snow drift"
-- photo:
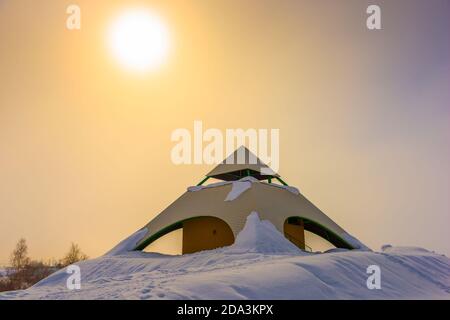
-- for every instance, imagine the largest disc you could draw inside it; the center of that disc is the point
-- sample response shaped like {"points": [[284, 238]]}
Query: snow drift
{"points": [[128, 244], [261, 237], [261, 264]]}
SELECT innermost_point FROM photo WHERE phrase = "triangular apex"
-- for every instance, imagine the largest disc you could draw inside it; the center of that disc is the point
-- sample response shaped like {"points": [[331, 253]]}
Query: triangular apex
{"points": [[242, 163]]}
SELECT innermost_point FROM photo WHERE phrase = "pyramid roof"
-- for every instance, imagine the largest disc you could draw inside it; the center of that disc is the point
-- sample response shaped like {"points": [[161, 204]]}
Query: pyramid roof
{"points": [[242, 162]]}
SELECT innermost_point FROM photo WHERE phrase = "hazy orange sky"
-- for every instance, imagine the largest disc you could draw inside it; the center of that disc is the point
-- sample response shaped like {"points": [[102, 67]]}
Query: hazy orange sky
{"points": [[363, 115]]}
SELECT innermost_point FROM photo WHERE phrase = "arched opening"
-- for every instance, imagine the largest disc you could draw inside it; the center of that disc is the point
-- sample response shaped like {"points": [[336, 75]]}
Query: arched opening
{"points": [[206, 233], [308, 235], [197, 234], [171, 243], [316, 243]]}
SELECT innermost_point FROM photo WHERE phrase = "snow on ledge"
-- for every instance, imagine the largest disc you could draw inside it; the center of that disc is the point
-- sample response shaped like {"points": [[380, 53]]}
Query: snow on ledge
{"points": [[127, 244], [212, 185], [240, 186], [291, 189]]}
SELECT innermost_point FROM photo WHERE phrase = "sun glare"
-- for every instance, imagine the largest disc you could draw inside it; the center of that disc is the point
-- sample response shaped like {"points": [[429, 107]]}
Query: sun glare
{"points": [[138, 40]]}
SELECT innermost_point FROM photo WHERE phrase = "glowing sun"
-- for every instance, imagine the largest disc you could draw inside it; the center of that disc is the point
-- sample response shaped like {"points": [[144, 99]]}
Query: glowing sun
{"points": [[138, 40]]}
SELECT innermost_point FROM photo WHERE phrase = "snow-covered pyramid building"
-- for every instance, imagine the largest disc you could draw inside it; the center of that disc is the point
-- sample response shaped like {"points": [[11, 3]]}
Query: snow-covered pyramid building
{"points": [[212, 215]]}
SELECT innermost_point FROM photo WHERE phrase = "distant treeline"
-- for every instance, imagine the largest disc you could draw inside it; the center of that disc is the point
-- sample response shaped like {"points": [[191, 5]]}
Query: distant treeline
{"points": [[24, 272]]}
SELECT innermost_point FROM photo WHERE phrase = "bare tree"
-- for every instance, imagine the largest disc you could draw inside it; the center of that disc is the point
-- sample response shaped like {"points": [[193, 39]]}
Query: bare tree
{"points": [[19, 258], [74, 255], [20, 263], [25, 272]]}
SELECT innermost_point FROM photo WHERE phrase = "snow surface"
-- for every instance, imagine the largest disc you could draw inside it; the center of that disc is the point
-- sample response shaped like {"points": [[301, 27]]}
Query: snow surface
{"points": [[261, 264], [3, 272], [128, 244]]}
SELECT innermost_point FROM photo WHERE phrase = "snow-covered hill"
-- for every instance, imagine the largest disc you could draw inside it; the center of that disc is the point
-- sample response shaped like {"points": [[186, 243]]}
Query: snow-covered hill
{"points": [[3, 272], [261, 264]]}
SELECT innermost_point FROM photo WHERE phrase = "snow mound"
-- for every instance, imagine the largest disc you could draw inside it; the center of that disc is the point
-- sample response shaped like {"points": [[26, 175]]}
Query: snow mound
{"points": [[261, 237], [403, 250], [128, 244]]}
